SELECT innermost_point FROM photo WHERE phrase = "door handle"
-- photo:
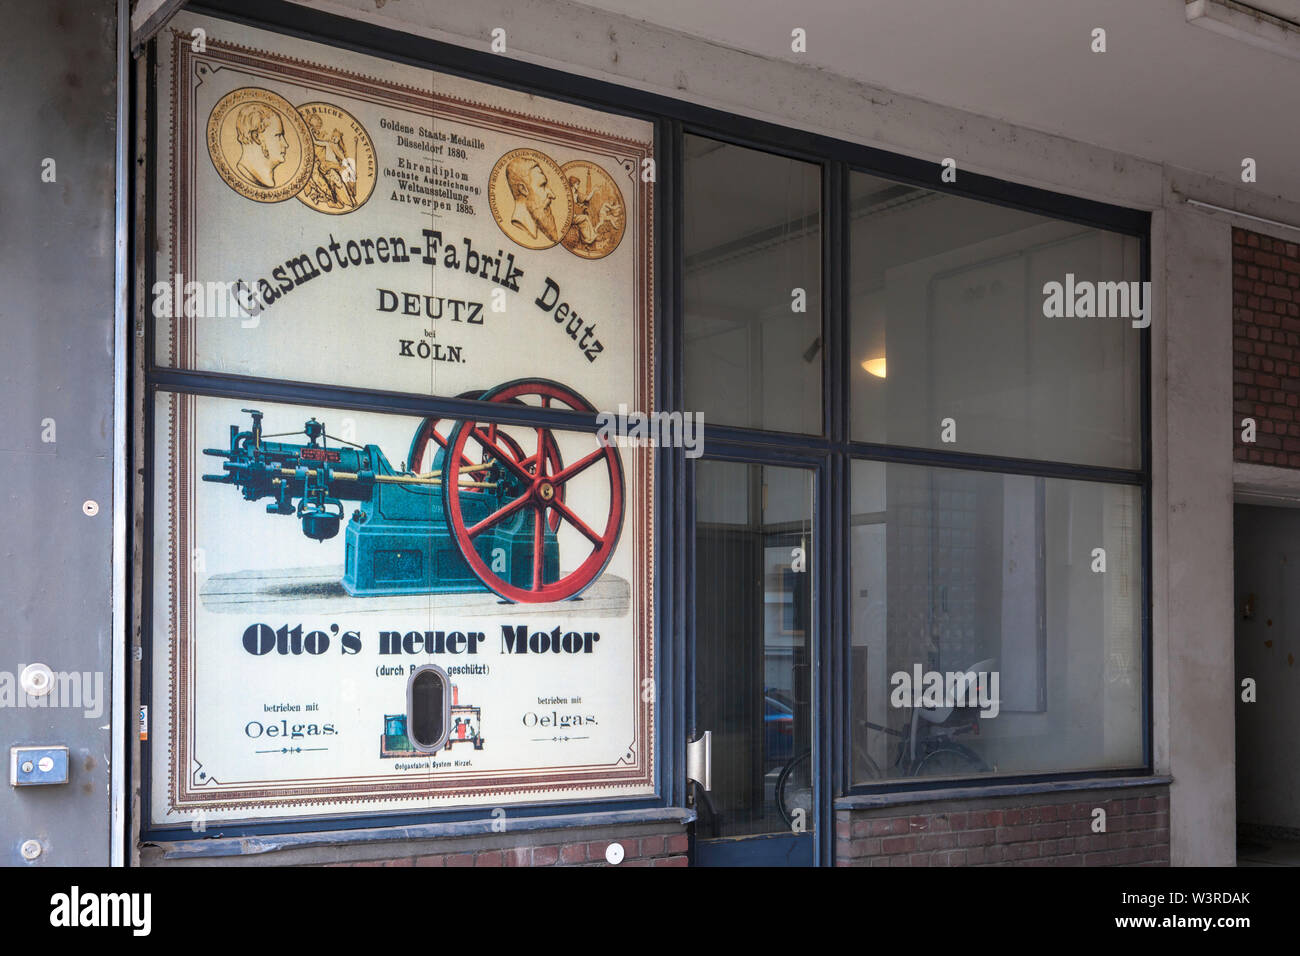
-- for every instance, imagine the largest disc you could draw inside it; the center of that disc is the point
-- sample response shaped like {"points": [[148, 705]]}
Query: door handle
{"points": [[699, 760]]}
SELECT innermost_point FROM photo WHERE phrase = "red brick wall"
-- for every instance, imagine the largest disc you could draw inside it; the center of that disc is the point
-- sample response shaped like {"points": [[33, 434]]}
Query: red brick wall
{"points": [[1266, 348], [637, 851], [1042, 830]]}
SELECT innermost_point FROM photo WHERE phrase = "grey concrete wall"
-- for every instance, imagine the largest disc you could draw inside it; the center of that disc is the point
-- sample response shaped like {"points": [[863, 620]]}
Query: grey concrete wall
{"points": [[56, 313], [1192, 532]]}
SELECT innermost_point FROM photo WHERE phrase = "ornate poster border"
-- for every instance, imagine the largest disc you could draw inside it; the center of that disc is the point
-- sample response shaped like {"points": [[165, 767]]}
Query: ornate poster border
{"points": [[633, 772]]}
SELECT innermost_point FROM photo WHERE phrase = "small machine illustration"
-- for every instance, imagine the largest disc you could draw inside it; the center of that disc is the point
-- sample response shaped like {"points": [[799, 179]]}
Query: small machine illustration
{"points": [[484, 516], [395, 742], [465, 723], [466, 728]]}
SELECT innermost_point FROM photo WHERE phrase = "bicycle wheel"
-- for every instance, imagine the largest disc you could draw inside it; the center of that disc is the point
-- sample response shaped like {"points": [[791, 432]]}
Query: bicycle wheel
{"points": [[950, 760], [794, 790]]}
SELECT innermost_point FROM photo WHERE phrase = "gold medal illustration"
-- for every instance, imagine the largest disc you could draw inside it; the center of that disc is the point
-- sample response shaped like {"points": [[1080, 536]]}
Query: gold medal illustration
{"points": [[599, 216], [344, 172], [259, 144], [530, 199]]}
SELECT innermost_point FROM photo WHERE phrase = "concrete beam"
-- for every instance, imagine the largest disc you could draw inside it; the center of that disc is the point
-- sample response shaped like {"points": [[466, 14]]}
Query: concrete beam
{"points": [[584, 41]]}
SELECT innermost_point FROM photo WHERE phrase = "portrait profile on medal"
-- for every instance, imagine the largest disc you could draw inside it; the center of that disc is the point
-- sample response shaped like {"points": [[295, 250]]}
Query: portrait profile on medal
{"points": [[530, 199], [262, 146], [259, 145]]}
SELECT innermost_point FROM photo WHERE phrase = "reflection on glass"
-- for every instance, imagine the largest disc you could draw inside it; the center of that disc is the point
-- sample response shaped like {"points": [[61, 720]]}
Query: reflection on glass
{"points": [[753, 642], [947, 322], [752, 234], [996, 623]]}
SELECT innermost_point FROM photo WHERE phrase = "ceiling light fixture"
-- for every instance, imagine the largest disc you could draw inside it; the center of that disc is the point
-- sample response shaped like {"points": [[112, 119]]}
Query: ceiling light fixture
{"points": [[875, 366]]}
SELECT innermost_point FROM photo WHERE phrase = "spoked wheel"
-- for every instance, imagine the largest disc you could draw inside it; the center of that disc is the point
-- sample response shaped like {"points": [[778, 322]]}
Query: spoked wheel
{"points": [[794, 789], [541, 479], [433, 432], [436, 432], [950, 760]]}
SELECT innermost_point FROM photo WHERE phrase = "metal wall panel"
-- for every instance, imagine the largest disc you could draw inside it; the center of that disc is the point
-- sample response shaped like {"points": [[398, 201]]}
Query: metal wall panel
{"points": [[57, 316]]}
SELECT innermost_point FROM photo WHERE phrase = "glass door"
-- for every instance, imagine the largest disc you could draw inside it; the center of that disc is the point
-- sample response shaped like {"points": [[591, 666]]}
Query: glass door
{"points": [[755, 626]]}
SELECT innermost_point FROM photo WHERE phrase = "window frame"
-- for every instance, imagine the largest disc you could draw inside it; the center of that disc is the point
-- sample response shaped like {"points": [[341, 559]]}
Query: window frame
{"points": [[830, 453]]}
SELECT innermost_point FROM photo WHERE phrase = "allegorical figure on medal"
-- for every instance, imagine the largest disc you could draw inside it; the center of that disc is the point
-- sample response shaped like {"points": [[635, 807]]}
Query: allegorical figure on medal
{"points": [[529, 200], [329, 180], [343, 174], [599, 218]]}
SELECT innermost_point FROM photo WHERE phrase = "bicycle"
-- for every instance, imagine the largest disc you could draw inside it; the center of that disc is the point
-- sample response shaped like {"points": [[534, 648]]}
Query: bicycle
{"points": [[933, 752]]}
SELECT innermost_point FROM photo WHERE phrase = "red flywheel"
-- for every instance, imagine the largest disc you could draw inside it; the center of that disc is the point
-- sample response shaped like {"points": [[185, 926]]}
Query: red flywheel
{"points": [[543, 478], [436, 431]]}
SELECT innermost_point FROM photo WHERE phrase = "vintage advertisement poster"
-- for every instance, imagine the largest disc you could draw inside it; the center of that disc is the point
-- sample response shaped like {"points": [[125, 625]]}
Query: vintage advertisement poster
{"points": [[334, 219]]}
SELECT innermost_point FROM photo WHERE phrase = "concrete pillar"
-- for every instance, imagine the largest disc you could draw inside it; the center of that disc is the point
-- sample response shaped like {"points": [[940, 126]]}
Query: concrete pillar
{"points": [[1194, 692]]}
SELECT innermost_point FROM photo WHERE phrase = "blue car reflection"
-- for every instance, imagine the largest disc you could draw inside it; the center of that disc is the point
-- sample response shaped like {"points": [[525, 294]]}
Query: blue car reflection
{"points": [[778, 726]]}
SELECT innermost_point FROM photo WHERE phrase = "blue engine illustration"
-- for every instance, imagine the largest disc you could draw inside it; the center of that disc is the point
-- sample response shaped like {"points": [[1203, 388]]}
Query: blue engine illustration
{"points": [[489, 523]]}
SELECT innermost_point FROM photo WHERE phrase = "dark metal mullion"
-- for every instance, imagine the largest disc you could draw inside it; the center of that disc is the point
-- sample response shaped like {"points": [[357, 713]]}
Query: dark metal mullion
{"points": [[831, 634], [824, 621], [761, 455], [735, 435], [1010, 466], [922, 784], [143, 458], [823, 517], [842, 504], [150, 206], [1148, 756], [667, 727], [683, 516], [675, 689], [687, 520], [831, 302], [368, 400]]}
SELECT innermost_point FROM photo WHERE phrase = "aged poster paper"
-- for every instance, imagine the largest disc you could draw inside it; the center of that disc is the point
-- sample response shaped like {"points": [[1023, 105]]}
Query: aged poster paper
{"points": [[333, 219]]}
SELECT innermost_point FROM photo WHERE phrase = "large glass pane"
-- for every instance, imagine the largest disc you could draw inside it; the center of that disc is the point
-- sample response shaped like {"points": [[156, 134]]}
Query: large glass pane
{"points": [[996, 623], [752, 236], [753, 646], [954, 318]]}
